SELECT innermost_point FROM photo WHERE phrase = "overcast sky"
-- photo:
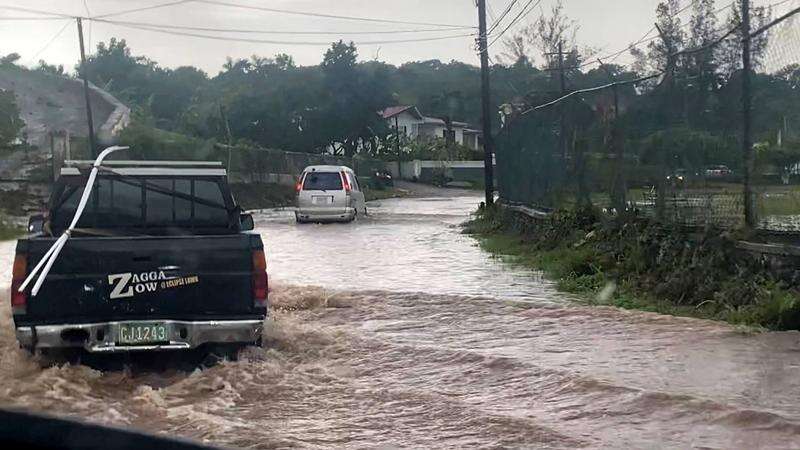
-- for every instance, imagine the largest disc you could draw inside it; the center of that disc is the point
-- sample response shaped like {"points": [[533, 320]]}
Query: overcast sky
{"points": [[603, 26]]}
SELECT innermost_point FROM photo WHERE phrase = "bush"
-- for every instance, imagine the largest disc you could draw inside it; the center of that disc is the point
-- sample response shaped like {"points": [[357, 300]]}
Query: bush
{"points": [[649, 266]]}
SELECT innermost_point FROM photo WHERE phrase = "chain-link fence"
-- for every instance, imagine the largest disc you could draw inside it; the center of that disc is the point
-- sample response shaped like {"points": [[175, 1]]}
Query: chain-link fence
{"points": [[244, 164], [777, 114], [669, 145]]}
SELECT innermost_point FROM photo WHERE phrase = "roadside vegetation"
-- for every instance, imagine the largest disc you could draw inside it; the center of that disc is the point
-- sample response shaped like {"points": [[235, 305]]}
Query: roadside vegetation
{"points": [[8, 230], [637, 264], [270, 195]]}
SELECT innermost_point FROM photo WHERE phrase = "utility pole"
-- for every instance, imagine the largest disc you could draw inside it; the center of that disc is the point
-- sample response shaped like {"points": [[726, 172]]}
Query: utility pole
{"points": [[563, 85], [223, 114], [397, 148], [747, 140], [92, 146], [620, 188], [488, 145], [669, 82]]}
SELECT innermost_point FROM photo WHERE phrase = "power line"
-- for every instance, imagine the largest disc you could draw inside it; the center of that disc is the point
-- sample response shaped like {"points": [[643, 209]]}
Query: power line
{"points": [[36, 11], [31, 18], [637, 80], [646, 38], [491, 11], [144, 8], [521, 14], [327, 16], [53, 39], [502, 16], [265, 41], [89, 15], [779, 3], [254, 31], [775, 22]]}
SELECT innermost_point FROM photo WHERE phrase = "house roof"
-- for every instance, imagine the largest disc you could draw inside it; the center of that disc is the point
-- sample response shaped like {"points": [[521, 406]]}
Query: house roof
{"points": [[433, 120], [395, 110]]}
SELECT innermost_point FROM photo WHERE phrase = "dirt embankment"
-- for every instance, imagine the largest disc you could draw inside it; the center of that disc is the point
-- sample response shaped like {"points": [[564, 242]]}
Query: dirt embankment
{"points": [[52, 103]]}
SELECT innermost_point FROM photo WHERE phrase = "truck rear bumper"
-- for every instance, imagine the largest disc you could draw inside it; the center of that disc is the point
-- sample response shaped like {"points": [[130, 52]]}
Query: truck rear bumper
{"points": [[102, 336]]}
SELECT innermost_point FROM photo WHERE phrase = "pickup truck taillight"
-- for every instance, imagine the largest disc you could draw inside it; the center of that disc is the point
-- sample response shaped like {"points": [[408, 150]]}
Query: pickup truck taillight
{"points": [[19, 300], [260, 285]]}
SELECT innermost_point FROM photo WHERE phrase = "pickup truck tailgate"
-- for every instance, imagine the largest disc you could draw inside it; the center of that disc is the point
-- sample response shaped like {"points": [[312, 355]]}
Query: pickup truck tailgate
{"points": [[119, 278]]}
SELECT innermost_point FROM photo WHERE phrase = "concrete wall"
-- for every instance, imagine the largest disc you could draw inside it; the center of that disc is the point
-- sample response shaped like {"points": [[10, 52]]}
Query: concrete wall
{"points": [[426, 170]]}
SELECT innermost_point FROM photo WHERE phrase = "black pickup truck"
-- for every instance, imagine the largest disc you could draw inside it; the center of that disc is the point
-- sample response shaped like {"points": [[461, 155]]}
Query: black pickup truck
{"points": [[161, 258]]}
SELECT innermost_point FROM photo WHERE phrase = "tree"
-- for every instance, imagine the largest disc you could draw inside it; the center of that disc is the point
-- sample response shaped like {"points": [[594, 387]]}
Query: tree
{"points": [[730, 53], [547, 34], [10, 59], [163, 93], [702, 67], [50, 68], [791, 75], [672, 39], [783, 158], [10, 122], [353, 98]]}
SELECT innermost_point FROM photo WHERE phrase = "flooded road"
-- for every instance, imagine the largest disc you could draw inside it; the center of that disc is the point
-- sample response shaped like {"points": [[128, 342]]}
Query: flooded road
{"points": [[398, 331]]}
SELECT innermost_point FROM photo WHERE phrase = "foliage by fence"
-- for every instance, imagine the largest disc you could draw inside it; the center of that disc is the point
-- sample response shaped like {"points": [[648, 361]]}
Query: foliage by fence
{"points": [[244, 164], [668, 144]]}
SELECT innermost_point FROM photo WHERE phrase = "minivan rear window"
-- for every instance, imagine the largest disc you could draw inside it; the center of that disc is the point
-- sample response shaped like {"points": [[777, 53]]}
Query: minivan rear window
{"points": [[322, 181]]}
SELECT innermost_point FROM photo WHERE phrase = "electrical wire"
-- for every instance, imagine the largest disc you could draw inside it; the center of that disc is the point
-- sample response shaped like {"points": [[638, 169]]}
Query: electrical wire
{"points": [[265, 41], [646, 38], [775, 22], [490, 10], [67, 22], [637, 80], [37, 11], [31, 18], [278, 32], [144, 8], [524, 12], [328, 16], [89, 15], [502, 16]]}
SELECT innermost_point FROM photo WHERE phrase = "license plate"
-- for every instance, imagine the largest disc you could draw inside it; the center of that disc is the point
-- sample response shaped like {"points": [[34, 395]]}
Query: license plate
{"points": [[142, 333], [322, 200]]}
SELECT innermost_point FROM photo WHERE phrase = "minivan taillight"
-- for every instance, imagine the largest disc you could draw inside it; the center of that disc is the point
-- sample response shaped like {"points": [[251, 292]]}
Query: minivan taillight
{"points": [[345, 182], [19, 300], [260, 284], [299, 185]]}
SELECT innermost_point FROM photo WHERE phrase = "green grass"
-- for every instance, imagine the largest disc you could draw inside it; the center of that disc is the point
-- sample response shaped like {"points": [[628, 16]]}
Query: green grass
{"points": [[11, 202], [9, 231], [753, 301]]}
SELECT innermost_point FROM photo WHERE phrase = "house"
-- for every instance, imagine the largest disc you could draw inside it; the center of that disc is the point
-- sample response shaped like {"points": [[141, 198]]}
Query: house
{"points": [[410, 122]]}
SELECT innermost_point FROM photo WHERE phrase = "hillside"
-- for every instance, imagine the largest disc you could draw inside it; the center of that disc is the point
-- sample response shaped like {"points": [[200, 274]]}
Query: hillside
{"points": [[52, 103]]}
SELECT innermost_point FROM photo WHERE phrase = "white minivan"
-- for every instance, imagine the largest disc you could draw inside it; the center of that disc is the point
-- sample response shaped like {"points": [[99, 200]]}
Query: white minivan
{"points": [[329, 194]]}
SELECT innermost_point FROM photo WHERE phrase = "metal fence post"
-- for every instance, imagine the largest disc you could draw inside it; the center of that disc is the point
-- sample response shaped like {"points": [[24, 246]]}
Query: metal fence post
{"points": [[747, 143]]}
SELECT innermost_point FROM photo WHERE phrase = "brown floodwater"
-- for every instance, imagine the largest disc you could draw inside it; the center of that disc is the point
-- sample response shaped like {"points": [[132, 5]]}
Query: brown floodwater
{"points": [[398, 331]]}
